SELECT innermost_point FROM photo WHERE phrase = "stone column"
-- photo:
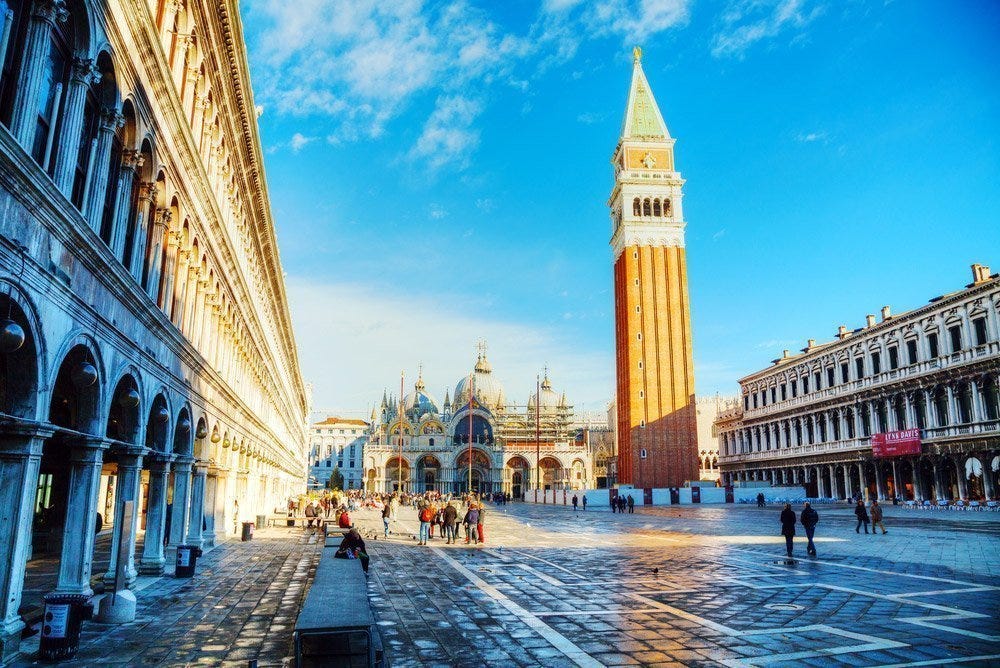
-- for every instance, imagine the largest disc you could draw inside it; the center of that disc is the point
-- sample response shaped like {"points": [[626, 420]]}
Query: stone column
{"points": [[82, 76], [160, 225], [180, 509], [93, 208], [153, 561], [169, 268], [28, 94], [223, 490], [986, 458], [862, 481], [211, 493], [182, 277], [918, 483], [194, 535], [896, 487], [20, 458], [129, 480], [147, 198], [938, 486], [848, 486], [820, 485], [960, 479], [131, 161], [86, 459], [879, 483]]}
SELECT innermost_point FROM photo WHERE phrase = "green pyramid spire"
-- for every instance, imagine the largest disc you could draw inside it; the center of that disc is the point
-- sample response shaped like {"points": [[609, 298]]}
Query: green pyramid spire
{"points": [[642, 116]]}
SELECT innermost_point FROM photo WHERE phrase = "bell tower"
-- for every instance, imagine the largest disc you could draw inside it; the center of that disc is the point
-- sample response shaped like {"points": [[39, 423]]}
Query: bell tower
{"points": [[656, 418]]}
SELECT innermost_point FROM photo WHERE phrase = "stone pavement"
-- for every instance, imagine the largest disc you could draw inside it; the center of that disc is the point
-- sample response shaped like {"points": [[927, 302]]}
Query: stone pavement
{"points": [[240, 606], [665, 586], [690, 586]]}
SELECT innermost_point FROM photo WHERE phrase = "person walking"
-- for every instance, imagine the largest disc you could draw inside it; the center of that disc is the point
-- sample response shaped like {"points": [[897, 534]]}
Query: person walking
{"points": [[481, 523], [631, 504], [386, 512], [584, 501], [614, 504], [450, 522], [809, 519], [471, 521], [862, 514], [310, 514], [876, 513], [425, 514], [760, 499], [788, 527], [575, 502]]}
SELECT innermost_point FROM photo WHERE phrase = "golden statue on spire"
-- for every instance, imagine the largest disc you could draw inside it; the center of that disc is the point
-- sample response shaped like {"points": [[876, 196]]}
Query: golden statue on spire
{"points": [[636, 54]]}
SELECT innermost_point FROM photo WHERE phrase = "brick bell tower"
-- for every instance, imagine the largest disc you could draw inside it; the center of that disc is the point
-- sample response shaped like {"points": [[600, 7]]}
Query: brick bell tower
{"points": [[657, 432]]}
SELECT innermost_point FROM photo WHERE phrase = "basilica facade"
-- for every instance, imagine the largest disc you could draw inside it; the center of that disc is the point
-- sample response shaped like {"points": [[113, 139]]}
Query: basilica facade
{"points": [[149, 383], [477, 439]]}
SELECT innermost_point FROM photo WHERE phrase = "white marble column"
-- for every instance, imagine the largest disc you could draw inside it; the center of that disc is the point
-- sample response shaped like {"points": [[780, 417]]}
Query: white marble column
{"points": [[918, 483], [159, 227], [223, 490], [20, 458], [211, 499], [194, 535], [147, 199], [180, 508], [938, 484], [129, 481], [93, 209], [166, 303], [896, 487], [82, 76], [86, 459], [960, 478], [131, 161], [153, 559], [988, 487], [862, 482], [29, 94]]}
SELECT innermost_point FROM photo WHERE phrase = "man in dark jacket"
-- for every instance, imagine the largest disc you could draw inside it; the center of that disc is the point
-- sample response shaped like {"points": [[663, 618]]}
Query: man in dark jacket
{"points": [[809, 520], [450, 522], [386, 513], [862, 514], [470, 521], [788, 526]]}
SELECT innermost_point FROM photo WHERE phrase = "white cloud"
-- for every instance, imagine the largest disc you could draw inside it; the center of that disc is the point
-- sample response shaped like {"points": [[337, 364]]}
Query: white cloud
{"points": [[591, 117], [298, 141], [363, 63], [437, 212], [448, 136], [809, 137], [747, 22], [354, 339]]}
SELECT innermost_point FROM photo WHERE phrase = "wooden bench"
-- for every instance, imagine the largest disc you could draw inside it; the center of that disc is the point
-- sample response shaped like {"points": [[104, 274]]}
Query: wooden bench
{"points": [[336, 626]]}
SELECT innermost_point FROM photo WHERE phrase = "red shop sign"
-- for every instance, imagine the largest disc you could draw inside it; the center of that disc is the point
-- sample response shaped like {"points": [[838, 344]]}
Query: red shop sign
{"points": [[896, 443]]}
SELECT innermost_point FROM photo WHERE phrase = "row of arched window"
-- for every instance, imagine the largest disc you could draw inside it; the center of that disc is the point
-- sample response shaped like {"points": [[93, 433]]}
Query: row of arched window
{"points": [[650, 207], [85, 127], [964, 402], [888, 353]]}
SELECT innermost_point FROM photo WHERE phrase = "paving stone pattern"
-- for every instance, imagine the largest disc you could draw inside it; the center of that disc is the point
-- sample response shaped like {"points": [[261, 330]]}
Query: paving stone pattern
{"points": [[552, 587], [240, 606], [690, 586]]}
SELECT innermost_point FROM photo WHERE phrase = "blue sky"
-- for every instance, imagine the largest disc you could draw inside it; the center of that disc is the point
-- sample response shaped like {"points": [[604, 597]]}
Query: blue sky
{"points": [[439, 174]]}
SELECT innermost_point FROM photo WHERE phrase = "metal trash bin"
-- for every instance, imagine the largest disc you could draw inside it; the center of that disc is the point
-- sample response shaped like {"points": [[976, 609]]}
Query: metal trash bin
{"points": [[187, 557], [247, 531], [261, 521], [60, 637]]}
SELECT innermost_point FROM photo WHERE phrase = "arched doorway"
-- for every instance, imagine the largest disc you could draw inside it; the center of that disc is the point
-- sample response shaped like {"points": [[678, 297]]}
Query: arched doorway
{"points": [[975, 486], [480, 475], [551, 472], [65, 518], [519, 476], [397, 475], [428, 469]]}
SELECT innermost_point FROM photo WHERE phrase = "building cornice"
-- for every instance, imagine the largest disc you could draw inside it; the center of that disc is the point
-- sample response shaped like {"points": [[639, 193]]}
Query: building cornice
{"points": [[664, 236]]}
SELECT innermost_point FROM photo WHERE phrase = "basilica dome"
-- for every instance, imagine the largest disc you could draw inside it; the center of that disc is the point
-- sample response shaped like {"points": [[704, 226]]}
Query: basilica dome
{"points": [[550, 401], [489, 392], [418, 402]]}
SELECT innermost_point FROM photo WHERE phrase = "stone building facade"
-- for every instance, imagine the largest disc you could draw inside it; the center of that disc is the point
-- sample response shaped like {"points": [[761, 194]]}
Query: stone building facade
{"points": [[656, 421], [146, 342], [907, 406], [337, 444], [511, 448]]}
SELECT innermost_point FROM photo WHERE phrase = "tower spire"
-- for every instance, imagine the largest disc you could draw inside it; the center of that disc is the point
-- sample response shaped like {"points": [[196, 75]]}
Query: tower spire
{"points": [[643, 119]]}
